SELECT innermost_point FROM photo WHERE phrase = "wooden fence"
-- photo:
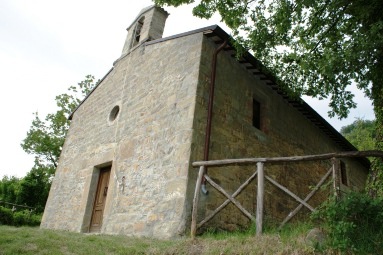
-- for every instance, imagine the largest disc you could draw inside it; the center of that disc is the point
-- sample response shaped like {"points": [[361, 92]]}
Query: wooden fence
{"points": [[261, 176], [14, 206]]}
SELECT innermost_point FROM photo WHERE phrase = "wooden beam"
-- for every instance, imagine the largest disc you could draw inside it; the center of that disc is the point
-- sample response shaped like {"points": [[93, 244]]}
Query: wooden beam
{"points": [[227, 201], [209, 33], [224, 204], [349, 154], [260, 196], [299, 207], [219, 41], [234, 201], [289, 192], [335, 176], [195, 202], [24, 206]]}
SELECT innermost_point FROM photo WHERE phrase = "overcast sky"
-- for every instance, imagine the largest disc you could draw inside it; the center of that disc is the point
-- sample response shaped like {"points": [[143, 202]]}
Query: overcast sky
{"points": [[46, 46]]}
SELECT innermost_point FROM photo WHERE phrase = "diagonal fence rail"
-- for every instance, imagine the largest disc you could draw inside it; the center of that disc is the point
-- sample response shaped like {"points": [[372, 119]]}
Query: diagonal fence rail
{"points": [[261, 176]]}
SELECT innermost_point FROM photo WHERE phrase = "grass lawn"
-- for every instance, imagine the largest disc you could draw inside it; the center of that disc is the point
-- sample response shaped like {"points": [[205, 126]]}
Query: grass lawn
{"points": [[32, 240]]}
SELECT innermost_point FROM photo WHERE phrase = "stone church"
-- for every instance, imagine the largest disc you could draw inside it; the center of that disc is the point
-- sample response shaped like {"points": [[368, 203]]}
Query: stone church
{"points": [[126, 165]]}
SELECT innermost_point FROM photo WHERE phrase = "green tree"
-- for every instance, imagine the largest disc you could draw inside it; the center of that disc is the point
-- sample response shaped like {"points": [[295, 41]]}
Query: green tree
{"points": [[361, 133], [9, 189], [315, 47], [31, 190], [45, 138], [34, 187]]}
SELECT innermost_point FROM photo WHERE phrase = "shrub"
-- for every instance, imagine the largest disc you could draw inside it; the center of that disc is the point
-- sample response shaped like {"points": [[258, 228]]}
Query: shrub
{"points": [[18, 218], [6, 217], [35, 220], [354, 223]]}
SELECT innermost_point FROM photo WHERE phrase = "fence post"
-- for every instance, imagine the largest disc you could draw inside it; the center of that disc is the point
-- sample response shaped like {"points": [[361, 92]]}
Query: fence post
{"points": [[335, 176], [195, 201], [260, 194]]}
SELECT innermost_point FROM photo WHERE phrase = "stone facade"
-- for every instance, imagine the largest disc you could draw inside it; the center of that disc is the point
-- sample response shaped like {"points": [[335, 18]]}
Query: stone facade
{"points": [[284, 131], [146, 119]]}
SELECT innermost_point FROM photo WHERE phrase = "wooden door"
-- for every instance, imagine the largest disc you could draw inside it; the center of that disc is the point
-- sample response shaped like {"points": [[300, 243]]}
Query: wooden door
{"points": [[99, 202]]}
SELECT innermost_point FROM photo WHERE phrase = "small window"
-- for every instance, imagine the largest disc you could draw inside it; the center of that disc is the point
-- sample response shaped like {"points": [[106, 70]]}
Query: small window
{"points": [[343, 173], [256, 114], [114, 113]]}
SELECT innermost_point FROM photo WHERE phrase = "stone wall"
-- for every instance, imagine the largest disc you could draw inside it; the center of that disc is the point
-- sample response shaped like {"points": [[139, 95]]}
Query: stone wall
{"points": [[149, 143], [284, 132]]}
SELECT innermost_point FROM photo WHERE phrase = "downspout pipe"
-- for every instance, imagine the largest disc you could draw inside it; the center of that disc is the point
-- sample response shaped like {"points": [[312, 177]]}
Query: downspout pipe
{"points": [[210, 110]]}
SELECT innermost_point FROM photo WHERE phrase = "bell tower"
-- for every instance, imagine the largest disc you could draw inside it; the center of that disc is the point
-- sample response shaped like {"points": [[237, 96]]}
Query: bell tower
{"points": [[148, 25]]}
